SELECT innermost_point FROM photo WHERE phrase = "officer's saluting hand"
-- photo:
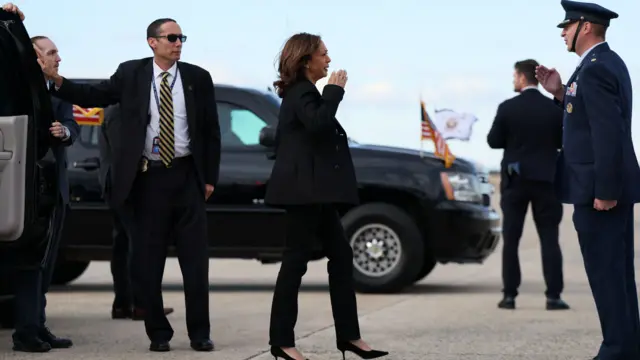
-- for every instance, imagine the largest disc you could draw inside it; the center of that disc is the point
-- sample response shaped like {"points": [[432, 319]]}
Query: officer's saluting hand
{"points": [[550, 80]]}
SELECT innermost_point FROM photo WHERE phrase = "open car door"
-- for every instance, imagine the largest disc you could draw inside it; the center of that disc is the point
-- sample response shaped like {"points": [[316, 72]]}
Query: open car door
{"points": [[25, 116]]}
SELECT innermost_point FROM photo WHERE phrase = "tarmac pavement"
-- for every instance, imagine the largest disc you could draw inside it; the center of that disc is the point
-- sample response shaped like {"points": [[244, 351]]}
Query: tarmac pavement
{"points": [[450, 315]]}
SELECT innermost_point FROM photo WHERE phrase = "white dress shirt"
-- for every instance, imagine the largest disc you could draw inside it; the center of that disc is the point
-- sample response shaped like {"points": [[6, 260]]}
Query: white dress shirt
{"points": [[528, 87], [180, 126]]}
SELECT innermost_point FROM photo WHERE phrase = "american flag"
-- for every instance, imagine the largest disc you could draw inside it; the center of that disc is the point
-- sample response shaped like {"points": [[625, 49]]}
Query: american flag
{"points": [[430, 132], [91, 116]]}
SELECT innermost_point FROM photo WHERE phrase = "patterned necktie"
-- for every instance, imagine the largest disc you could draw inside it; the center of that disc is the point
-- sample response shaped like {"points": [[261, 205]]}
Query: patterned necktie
{"points": [[167, 148]]}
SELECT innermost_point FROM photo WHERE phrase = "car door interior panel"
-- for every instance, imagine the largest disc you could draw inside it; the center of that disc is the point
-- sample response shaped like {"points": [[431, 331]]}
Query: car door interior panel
{"points": [[13, 156]]}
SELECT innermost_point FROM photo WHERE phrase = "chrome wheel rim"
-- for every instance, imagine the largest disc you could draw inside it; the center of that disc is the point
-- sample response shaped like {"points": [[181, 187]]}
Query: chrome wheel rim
{"points": [[376, 250]]}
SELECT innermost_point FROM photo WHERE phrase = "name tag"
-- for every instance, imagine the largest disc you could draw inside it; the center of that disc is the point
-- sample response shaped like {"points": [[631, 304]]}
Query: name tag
{"points": [[155, 146]]}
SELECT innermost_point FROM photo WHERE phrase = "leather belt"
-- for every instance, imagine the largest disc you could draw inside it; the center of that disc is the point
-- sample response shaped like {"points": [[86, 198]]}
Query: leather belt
{"points": [[146, 164]]}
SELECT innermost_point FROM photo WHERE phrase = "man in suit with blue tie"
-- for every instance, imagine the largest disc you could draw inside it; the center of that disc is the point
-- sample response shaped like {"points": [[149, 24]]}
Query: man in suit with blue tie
{"points": [[598, 171], [31, 333]]}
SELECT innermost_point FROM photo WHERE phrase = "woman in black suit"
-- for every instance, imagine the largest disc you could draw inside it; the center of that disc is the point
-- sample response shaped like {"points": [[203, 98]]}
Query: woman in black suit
{"points": [[313, 172]]}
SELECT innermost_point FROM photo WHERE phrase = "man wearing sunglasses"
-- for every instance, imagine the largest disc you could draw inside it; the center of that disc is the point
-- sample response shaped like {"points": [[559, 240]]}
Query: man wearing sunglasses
{"points": [[126, 305], [165, 164]]}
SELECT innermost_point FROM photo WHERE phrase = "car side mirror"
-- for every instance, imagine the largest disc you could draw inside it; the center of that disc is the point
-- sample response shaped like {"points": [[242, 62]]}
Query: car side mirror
{"points": [[268, 136]]}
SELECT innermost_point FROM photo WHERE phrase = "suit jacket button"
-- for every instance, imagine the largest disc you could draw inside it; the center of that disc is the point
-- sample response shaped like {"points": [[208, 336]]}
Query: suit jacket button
{"points": [[337, 147], [336, 167]]}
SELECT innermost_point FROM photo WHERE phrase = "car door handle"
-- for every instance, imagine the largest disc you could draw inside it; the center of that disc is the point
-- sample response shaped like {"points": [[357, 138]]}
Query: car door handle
{"points": [[6, 155], [87, 164]]}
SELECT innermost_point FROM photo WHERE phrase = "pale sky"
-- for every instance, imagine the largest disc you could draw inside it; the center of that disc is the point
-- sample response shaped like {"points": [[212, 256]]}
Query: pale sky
{"points": [[453, 54]]}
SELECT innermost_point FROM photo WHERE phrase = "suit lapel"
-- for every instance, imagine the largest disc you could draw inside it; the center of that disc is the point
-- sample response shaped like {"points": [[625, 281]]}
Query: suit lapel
{"points": [[54, 107], [595, 51], [144, 81], [575, 73], [189, 100], [571, 80]]}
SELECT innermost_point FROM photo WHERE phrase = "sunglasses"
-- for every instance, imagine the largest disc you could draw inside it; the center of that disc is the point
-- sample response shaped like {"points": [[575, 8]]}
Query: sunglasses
{"points": [[174, 37]]}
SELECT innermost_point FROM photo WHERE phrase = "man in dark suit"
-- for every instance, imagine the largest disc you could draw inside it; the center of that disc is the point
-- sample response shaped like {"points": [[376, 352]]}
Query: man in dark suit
{"points": [[165, 164], [32, 283], [126, 304], [598, 172], [529, 129]]}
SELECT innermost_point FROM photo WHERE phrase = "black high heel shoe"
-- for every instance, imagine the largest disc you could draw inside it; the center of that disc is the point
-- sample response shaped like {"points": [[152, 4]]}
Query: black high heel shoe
{"points": [[277, 352], [345, 346]]}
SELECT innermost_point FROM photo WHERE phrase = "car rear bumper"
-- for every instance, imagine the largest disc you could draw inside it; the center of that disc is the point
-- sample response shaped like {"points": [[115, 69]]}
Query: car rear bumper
{"points": [[463, 232]]}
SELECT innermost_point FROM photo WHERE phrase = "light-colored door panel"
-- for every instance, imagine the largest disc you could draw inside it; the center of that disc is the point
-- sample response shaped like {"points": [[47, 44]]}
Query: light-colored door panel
{"points": [[13, 161]]}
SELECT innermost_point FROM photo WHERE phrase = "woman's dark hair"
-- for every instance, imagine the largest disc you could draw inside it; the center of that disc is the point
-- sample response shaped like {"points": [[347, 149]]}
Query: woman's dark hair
{"points": [[295, 54]]}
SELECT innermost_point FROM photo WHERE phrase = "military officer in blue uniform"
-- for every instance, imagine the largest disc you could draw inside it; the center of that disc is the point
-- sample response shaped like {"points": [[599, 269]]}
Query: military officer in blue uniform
{"points": [[598, 171]]}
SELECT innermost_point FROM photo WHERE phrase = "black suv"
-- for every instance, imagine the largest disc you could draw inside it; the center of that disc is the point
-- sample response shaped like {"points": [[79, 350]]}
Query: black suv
{"points": [[413, 212]]}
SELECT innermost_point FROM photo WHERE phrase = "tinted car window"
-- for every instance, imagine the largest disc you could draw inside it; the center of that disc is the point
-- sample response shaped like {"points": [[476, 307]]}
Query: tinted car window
{"points": [[239, 126], [88, 135]]}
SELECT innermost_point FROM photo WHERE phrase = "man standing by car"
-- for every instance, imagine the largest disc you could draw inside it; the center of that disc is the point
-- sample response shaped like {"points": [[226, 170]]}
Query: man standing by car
{"points": [[32, 281], [529, 129], [166, 159], [126, 304]]}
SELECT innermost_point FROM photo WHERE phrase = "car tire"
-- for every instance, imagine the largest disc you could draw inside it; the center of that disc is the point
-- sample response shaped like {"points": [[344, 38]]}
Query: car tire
{"points": [[396, 260], [68, 270], [427, 267]]}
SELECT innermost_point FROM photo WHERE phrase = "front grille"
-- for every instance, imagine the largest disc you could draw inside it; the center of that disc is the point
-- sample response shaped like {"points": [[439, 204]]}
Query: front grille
{"points": [[481, 242]]}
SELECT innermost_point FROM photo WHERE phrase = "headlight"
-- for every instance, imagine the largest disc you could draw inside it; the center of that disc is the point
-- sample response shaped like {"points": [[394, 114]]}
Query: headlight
{"points": [[461, 187]]}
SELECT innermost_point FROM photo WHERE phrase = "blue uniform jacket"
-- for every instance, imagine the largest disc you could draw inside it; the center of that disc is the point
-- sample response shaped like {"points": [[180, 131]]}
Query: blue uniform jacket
{"points": [[597, 158]]}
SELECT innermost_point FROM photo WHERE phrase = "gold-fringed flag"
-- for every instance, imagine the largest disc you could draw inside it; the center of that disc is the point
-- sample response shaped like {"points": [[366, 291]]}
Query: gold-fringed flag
{"points": [[430, 132], [91, 116]]}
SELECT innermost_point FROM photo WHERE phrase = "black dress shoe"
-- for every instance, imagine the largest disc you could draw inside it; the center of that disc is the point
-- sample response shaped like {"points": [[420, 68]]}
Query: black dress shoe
{"points": [[202, 345], [557, 304], [278, 353], [345, 346], [55, 342], [31, 344], [508, 303], [159, 346]]}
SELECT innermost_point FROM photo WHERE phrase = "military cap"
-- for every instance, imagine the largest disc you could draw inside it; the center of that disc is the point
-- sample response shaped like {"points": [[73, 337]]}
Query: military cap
{"points": [[594, 13]]}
